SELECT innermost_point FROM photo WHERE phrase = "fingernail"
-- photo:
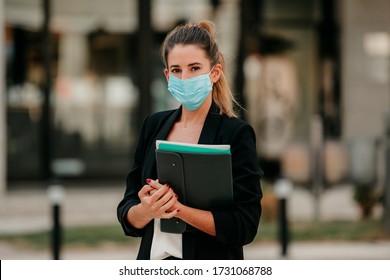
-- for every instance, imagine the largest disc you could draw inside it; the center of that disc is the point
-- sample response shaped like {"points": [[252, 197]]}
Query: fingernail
{"points": [[176, 195], [148, 180], [167, 185]]}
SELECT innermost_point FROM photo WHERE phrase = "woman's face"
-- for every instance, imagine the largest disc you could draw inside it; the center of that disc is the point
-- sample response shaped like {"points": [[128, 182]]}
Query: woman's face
{"points": [[188, 61]]}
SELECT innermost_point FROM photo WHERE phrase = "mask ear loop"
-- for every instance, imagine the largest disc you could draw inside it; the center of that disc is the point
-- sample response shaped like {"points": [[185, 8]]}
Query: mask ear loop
{"points": [[212, 69]]}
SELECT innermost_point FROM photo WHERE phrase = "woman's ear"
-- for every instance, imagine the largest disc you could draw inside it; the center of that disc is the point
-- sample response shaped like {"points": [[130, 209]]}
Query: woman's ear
{"points": [[166, 73], [216, 73]]}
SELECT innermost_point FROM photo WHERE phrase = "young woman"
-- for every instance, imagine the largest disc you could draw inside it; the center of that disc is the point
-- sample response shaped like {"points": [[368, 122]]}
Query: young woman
{"points": [[194, 71]]}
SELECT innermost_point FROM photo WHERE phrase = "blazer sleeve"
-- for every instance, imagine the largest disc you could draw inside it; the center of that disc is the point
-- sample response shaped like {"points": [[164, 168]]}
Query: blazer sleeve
{"points": [[133, 186], [238, 226]]}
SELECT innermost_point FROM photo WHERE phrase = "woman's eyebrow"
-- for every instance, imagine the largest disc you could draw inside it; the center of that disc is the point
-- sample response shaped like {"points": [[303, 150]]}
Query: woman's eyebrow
{"points": [[189, 65], [194, 63]]}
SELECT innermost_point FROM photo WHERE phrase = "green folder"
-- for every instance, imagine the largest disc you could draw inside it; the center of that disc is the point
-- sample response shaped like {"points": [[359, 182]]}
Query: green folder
{"points": [[192, 148]]}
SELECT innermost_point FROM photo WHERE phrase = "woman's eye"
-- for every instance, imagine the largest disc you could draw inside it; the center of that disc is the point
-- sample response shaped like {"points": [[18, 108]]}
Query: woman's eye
{"points": [[175, 70], [195, 68]]}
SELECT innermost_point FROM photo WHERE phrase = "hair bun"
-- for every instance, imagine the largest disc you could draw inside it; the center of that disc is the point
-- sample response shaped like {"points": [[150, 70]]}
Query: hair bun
{"points": [[208, 26]]}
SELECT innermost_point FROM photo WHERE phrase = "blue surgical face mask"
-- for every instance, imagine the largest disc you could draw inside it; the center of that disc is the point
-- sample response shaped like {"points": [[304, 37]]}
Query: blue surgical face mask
{"points": [[190, 92]]}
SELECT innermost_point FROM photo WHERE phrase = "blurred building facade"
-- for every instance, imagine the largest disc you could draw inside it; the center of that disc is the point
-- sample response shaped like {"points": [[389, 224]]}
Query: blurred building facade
{"points": [[335, 54]]}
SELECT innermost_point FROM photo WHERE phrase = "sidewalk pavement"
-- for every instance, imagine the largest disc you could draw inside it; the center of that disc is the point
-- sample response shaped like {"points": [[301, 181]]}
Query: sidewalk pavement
{"points": [[27, 209], [379, 250]]}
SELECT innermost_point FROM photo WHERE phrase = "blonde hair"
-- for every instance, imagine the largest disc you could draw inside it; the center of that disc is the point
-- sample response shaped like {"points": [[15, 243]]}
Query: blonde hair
{"points": [[202, 34]]}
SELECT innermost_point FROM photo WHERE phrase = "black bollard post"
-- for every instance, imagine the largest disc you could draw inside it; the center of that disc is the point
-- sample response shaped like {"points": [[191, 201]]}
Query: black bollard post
{"points": [[283, 226], [56, 232], [283, 188], [56, 194]]}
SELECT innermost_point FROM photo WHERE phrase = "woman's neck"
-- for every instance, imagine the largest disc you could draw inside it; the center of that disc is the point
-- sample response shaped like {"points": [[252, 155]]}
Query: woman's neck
{"points": [[197, 117]]}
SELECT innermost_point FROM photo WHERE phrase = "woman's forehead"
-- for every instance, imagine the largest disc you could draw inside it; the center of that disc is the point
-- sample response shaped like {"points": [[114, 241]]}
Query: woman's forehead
{"points": [[185, 55]]}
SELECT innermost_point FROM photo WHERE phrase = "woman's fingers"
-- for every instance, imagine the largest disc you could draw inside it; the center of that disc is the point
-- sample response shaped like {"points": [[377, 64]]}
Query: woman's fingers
{"points": [[159, 189], [145, 191], [168, 200], [168, 215], [154, 183], [162, 196], [158, 199]]}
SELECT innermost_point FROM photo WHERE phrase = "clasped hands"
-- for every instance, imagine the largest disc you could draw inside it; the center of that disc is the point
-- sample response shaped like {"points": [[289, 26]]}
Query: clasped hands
{"points": [[158, 200]]}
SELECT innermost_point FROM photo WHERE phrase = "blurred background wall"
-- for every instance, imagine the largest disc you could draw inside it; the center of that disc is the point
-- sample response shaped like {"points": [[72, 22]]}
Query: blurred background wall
{"points": [[311, 73]]}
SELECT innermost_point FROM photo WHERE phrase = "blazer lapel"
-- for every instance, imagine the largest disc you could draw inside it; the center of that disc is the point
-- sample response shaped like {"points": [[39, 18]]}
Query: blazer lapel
{"points": [[209, 131], [167, 126], [211, 126], [162, 134]]}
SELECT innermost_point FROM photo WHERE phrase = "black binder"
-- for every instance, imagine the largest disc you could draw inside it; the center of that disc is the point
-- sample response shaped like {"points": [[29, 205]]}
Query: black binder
{"points": [[201, 180]]}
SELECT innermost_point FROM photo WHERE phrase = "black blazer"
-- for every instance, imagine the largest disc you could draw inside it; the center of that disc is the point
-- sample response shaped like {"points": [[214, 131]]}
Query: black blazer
{"points": [[235, 227]]}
